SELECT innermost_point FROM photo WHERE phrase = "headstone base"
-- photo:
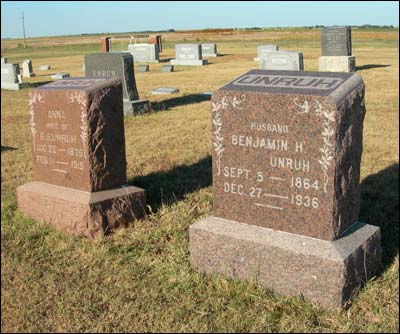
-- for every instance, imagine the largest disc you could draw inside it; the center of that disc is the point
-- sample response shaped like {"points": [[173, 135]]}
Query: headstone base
{"points": [[79, 212], [211, 55], [59, 76], [10, 86], [137, 107], [165, 90], [325, 272], [186, 62], [337, 63]]}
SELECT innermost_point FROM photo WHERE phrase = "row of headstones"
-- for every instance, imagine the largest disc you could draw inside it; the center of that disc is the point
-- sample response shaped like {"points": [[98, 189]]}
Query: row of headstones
{"points": [[11, 77], [285, 163], [186, 54], [336, 53]]}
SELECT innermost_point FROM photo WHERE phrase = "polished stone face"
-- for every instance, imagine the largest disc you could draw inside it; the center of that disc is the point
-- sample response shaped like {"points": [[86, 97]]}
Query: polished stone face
{"points": [[78, 133], [336, 41], [188, 51], [287, 149]]}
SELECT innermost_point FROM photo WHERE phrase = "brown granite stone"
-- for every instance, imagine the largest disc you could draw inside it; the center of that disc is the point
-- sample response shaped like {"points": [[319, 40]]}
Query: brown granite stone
{"points": [[325, 272], [82, 213], [287, 149], [78, 134], [105, 44], [79, 163]]}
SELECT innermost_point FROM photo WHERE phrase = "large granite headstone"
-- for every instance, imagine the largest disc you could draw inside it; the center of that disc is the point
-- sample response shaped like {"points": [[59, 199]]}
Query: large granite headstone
{"points": [[27, 69], [263, 49], [336, 50], [144, 52], [10, 76], [282, 60], [79, 163], [118, 64], [286, 214], [209, 50], [188, 54]]}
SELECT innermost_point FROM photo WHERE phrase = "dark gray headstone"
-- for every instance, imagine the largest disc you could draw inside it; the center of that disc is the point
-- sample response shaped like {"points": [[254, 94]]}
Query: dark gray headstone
{"points": [[113, 64], [336, 41], [167, 68], [144, 68]]}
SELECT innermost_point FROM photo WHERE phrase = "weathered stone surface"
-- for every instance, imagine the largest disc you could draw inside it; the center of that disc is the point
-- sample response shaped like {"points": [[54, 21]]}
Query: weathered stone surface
{"points": [[282, 60], [27, 69], [106, 44], [263, 49], [209, 50], [59, 76], [301, 134], [337, 63], [325, 272], [144, 52], [10, 76], [78, 134], [165, 90], [336, 41], [167, 68], [113, 64], [82, 213], [189, 55], [143, 68]]}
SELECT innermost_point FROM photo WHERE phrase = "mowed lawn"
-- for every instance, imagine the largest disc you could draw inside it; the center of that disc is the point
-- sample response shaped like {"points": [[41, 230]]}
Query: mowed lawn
{"points": [[139, 279]]}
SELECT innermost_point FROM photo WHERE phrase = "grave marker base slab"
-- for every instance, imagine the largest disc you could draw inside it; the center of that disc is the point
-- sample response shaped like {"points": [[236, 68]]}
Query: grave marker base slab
{"points": [[325, 272], [337, 63], [81, 213], [186, 62], [137, 107]]}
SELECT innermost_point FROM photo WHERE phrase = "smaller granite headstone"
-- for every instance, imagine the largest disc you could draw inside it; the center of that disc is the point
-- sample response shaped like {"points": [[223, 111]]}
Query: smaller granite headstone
{"points": [[165, 90], [167, 68], [59, 76], [79, 161], [143, 68], [282, 60], [3, 60], [27, 69], [209, 50], [10, 76], [144, 53], [188, 54], [263, 49]]}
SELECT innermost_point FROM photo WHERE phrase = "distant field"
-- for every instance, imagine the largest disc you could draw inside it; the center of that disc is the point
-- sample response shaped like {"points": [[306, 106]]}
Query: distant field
{"points": [[140, 279]]}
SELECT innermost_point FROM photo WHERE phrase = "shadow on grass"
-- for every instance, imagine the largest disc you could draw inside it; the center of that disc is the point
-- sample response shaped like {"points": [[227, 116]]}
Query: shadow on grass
{"points": [[179, 101], [369, 66], [39, 83], [380, 207], [171, 186], [7, 148]]}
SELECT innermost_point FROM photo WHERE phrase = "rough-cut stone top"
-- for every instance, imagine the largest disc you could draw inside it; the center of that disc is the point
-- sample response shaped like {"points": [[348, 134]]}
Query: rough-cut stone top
{"points": [[294, 82], [77, 84]]}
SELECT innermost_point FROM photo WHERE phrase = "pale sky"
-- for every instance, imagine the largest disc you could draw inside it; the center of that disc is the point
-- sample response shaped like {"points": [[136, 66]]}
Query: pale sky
{"points": [[53, 18]]}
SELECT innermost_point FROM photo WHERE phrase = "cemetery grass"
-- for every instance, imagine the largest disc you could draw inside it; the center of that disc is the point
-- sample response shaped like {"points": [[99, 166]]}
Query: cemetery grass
{"points": [[139, 279]]}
